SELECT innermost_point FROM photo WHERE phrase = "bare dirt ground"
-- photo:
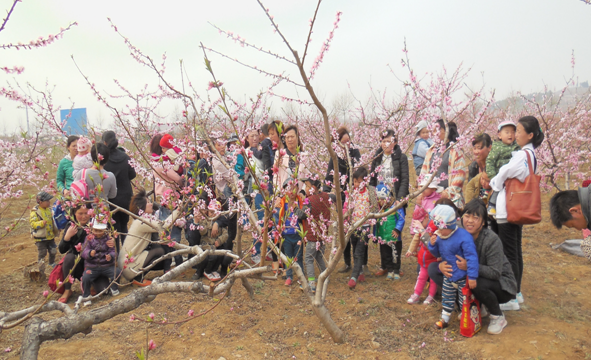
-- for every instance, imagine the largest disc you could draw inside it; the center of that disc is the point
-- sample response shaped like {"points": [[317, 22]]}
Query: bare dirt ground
{"points": [[554, 322]]}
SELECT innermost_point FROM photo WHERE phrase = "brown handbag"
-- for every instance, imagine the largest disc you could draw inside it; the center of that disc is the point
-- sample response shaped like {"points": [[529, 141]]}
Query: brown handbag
{"points": [[523, 199]]}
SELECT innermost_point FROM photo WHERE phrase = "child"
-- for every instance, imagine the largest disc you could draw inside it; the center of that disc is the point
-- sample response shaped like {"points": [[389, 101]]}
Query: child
{"points": [[287, 219], [316, 227], [99, 258], [388, 231], [499, 156], [450, 242], [422, 144], [83, 160], [364, 201], [44, 229], [170, 152]]}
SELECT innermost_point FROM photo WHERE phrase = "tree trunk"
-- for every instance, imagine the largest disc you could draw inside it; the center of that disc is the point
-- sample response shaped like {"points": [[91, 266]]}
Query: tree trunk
{"points": [[325, 318]]}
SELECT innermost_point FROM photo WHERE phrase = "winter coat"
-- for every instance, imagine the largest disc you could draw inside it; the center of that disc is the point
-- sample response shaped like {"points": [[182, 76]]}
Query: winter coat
{"points": [[400, 166], [95, 179], [320, 214], [499, 156], [282, 163], [355, 156], [456, 174], [517, 168], [419, 152], [493, 264], [118, 164], [101, 250], [64, 175], [384, 227], [373, 205], [39, 232], [459, 243], [69, 246]]}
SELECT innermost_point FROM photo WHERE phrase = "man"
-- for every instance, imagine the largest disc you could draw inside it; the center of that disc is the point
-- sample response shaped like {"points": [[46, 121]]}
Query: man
{"points": [[572, 209]]}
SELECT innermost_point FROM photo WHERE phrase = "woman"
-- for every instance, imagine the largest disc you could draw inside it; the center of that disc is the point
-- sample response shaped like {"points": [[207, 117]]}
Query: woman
{"points": [[119, 165], [496, 282], [354, 154], [391, 164], [528, 136], [288, 161], [476, 187], [97, 175], [261, 161], [452, 165], [64, 175], [422, 144], [138, 251], [74, 235]]}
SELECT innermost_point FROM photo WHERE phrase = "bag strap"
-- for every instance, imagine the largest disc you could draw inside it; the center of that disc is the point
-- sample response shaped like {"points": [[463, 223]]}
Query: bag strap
{"points": [[531, 170], [84, 175]]}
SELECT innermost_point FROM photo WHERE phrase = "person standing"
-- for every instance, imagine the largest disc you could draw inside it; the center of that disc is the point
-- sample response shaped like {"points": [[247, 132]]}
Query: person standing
{"points": [[64, 175]]}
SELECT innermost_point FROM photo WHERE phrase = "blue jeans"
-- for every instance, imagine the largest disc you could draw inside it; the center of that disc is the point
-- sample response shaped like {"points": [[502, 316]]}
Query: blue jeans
{"points": [[292, 250], [258, 200], [175, 233]]}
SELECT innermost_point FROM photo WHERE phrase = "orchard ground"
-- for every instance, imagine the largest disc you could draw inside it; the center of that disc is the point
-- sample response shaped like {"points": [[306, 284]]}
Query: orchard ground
{"points": [[554, 322]]}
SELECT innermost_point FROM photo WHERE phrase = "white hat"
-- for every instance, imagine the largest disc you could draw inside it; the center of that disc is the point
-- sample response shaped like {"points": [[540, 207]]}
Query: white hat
{"points": [[98, 225], [506, 123], [434, 184], [420, 125]]}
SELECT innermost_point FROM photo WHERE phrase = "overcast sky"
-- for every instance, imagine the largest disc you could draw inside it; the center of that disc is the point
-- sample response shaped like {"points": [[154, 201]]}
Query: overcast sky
{"points": [[514, 45]]}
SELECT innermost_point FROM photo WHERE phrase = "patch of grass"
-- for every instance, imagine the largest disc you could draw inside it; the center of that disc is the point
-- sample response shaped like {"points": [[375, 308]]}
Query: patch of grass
{"points": [[296, 344]]}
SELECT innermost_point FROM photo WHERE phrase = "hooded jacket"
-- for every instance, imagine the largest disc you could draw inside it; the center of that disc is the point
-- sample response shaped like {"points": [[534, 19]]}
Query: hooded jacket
{"points": [[118, 164], [400, 171]]}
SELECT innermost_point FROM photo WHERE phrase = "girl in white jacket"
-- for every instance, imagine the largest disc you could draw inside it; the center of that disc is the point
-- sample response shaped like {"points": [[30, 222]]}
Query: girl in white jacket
{"points": [[528, 136]]}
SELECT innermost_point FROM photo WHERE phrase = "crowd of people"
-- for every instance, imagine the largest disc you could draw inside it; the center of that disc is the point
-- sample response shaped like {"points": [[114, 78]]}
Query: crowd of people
{"points": [[459, 230]]}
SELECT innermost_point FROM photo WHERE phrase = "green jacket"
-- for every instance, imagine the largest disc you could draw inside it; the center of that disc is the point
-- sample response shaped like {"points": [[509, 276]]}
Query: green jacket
{"points": [[64, 175], [499, 156]]}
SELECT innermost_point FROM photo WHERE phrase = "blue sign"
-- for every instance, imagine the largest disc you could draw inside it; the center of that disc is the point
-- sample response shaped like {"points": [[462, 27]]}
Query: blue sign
{"points": [[74, 121]]}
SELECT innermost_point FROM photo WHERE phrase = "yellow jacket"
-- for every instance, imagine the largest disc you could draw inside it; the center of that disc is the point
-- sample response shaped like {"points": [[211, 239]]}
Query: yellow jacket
{"points": [[39, 232]]}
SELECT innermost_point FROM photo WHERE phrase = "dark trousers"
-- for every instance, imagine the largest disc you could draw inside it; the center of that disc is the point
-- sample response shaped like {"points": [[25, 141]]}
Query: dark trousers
{"points": [[44, 247], [390, 256], [435, 274], [67, 265], [359, 242], [121, 227], [489, 292], [347, 253], [511, 236], [91, 274], [155, 253]]}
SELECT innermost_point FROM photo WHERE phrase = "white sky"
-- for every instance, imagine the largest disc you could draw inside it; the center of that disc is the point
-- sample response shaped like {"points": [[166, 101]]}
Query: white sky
{"points": [[516, 45]]}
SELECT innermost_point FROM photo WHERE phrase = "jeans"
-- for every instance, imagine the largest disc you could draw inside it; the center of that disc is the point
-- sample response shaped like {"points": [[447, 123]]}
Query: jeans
{"points": [[293, 250], [359, 241], [91, 274], [258, 200], [489, 292], [390, 256], [314, 255], [511, 236], [347, 253], [175, 233]]}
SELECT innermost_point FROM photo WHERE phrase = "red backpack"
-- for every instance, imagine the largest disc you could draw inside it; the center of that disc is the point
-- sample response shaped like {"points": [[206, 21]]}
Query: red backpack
{"points": [[79, 188], [56, 276]]}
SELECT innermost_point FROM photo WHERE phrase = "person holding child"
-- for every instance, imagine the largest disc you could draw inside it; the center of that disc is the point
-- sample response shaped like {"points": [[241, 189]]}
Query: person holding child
{"points": [[388, 234], [287, 219], [44, 229], [357, 205], [448, 242], [100, 258]]}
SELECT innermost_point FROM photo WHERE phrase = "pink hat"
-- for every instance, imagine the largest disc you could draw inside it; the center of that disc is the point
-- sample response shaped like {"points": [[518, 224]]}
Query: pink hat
{"points": [[83, 144], [506, 123]]}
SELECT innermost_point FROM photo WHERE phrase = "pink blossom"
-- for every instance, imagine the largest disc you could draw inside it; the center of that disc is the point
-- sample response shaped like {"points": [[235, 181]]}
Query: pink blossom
{"points": [[45, 293], [152, 316], [190, 312], [78, 247], [152, 345], [132, 318]]}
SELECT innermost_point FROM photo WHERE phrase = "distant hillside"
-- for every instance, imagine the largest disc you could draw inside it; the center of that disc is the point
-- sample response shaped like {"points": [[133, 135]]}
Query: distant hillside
{"points": [[517, 103]]}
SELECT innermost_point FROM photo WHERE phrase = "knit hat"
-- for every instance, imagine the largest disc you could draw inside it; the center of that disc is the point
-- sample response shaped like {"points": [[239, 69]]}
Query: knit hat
{"points": [[420, 125], [433, 184], [83, 144], [165, 141], [382, 191], [43, 196], [506, 123], [444, 217]]}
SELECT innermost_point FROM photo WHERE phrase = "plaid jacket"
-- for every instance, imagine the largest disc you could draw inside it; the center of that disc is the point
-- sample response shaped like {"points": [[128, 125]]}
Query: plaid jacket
{"points": [[456, 174]]}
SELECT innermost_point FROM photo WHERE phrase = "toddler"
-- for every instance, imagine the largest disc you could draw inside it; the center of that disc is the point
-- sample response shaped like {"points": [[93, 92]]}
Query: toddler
{"points": [[209, 234], [388, 233], [99, 258], [83, 160], [499, 156], [44, 229], [170, 152], [450, 242]]}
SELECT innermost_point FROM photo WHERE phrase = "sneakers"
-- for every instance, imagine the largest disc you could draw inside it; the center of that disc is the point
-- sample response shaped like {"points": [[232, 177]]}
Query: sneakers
{"points": [[256, 259], [115, 292], [429, 300], [512, 305], [396, 277], [87, 303], [214, 276], [345, 269], [413, 299], [366, 270], [497, 323], [361, 278], [312, 286], [389, 276], [288, 282], [484, 311], [352, 283], [520, 298], [382, 272]]}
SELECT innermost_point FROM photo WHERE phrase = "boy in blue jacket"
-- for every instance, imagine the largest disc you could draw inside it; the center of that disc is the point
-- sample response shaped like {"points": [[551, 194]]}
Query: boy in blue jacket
{"points": [[450, 242]]}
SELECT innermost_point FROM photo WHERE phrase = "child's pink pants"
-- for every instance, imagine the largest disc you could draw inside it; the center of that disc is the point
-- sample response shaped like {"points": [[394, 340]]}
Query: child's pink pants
{"points": [[421, 282]]}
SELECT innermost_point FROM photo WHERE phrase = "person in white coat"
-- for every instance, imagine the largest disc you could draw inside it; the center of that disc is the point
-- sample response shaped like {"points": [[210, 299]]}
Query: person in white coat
{"points": [[528, 136]]}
